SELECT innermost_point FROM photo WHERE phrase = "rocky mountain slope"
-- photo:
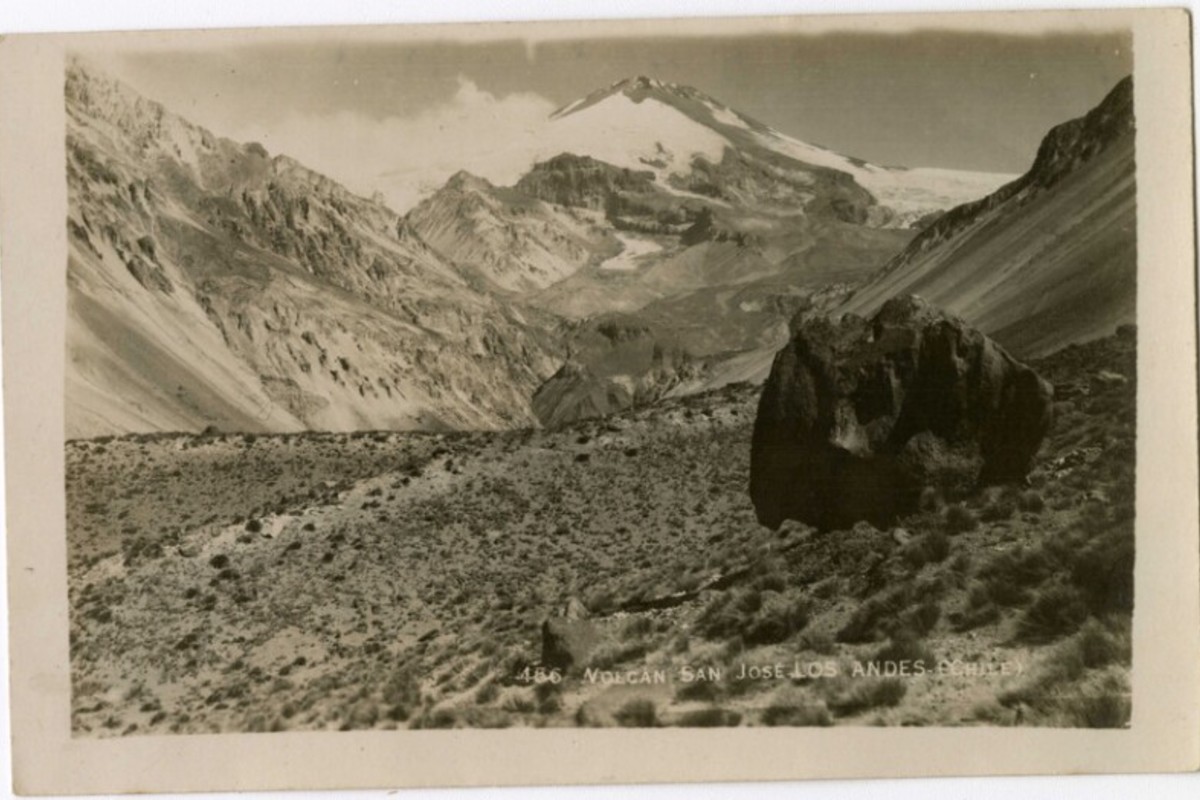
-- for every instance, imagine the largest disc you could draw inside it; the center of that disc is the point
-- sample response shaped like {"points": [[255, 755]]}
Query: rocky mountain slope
{"points": [[717, 227], [511, 240], [668, 168], [1048, 260], [211, 284], [694, 342]]}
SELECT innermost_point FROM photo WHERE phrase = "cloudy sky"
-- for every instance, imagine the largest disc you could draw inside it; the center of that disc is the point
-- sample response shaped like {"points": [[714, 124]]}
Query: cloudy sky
{"points": [[401, 116]]}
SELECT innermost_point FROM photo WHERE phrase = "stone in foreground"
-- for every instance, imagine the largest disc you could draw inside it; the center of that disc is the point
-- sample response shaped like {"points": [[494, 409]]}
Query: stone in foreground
{"points": [[568, 643], [859, 416]]}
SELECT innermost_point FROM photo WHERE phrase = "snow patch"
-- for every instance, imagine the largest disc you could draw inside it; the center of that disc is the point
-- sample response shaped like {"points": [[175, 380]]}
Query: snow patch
{"points": [[727, 117], [703, 198], [911, 193], [630, 134], [565, 110], [808, 153], [920, 190], [634, 249]]}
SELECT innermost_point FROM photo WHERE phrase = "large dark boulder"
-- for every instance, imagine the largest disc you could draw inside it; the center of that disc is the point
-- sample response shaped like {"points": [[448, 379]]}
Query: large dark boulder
{"points": [[859, 416]]}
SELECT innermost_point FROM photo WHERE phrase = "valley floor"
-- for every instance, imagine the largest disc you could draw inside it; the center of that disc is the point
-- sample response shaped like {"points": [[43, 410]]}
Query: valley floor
{"points": [[382, 580]]}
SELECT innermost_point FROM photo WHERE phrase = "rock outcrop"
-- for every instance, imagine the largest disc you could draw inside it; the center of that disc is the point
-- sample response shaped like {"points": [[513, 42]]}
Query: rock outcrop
{"points": [[582, 182], [510, 240], [859, 416], [567, 642], [569, 638]]}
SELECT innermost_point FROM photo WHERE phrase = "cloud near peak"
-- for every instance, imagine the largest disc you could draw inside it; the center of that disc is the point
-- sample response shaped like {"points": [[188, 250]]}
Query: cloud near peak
{"points": [[406, 158]]}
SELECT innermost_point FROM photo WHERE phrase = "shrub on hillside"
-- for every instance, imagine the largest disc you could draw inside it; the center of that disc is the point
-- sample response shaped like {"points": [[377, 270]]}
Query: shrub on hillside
{"points": [[637, 713], [818, 642], [1057, 609], [917, 620], [1103, 570], [1064, 691], [402, 693], [931, 548], [796, 715], [487, 692], [980, 609], [706, 691], [1103, 705], [759, 617], [1008, 576], [141, 548], [930, 500], [780, 616], [710, 718], [904, 647], [548, 697], [1099, 645], [959, 519], [911, 609], [1031, 501], [610, 654], [518, 702], [858, 695], [636, 628], [441, 718]]}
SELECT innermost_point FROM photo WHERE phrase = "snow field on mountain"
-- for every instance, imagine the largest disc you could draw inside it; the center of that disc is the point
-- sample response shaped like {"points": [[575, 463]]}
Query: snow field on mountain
{"points": [[906, 191], [634, 248], [623, 132]]}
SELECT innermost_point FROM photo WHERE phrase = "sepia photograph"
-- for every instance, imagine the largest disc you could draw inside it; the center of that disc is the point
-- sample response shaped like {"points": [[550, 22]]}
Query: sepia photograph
{"points": [[469, 387], [572, 378]]}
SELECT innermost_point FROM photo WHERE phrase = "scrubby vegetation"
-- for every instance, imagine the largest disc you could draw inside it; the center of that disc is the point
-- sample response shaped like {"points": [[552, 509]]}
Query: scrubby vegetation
{"points": [[382, 580]]}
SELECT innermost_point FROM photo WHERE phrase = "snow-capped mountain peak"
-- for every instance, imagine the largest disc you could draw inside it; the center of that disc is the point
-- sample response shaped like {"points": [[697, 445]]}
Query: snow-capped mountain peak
{"points": [[635, 88], [642, 82], [643, 123]]}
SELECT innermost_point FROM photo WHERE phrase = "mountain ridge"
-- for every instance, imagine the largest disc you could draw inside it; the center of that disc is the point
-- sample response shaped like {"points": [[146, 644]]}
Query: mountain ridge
{"points": [[512, 241], [1049, 259], [905, 195], [210, 284]]}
